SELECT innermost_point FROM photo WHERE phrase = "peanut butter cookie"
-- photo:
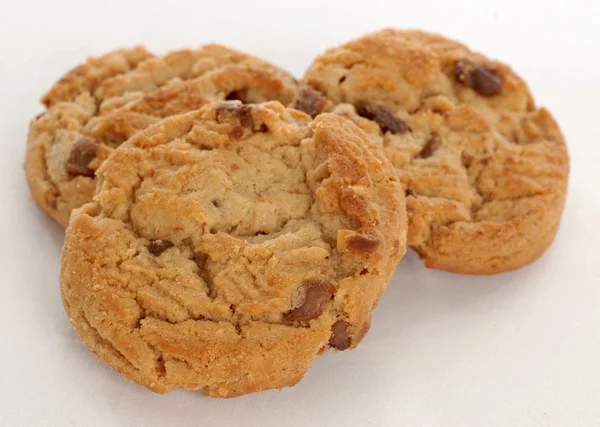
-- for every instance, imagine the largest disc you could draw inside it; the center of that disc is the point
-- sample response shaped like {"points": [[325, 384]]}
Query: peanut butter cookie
{"points": [[101, 103], [485, 170], [227, 247]]}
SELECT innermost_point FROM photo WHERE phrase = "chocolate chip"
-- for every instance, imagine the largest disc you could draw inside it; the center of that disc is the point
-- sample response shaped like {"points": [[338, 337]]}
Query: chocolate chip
{"points": [[243, 113], [466, 159], [233, 112], [433, 143], [82, 154], [383, 116], [157, 247], [237, 132], [311, 101], [484, 81], [316, 295], [362, 243], [340, 338], [238, 95], [409, 192]]}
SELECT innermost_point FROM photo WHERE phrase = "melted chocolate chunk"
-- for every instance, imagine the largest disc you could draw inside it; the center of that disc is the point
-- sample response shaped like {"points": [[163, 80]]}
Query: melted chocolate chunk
{"points": [[316, 295], [362, 243], [482, 80], [232, 111], [433, 143], [340, 338], [82, 154], [157, 247], [310, 101], [383, 116]]}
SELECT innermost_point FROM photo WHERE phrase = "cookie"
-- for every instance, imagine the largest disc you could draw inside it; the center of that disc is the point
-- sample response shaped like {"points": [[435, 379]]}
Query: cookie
{"points": [[485, 170], [100, 104], [227, 247]]}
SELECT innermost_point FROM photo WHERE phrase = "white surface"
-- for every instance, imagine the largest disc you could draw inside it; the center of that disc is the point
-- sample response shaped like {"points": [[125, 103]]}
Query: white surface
{"points": [[519, 349]]}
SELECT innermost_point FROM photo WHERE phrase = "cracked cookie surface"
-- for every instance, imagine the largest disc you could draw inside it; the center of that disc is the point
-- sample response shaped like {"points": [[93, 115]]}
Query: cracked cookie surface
{"points": [[227, 247], [100, 104], [485, 170]]}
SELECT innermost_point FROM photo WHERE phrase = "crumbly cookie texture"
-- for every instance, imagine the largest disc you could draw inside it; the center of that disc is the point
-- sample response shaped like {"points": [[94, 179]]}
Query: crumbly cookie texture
{"points": [[485, 170], [100, 104], [227, 247]]}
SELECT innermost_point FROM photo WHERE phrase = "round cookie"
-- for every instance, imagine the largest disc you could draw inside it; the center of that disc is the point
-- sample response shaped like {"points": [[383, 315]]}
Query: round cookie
{"points": [[227, 247], [485, 170], [98, 105]]}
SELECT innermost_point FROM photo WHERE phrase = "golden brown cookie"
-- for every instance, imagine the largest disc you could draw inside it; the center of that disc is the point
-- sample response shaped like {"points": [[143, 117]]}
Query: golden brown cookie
{"points": [[100, 104], [485, 169], [227, 247]]}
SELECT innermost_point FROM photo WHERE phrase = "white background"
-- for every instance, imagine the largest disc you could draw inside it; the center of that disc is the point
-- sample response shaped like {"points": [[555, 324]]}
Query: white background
{"points": [[518, 349]]}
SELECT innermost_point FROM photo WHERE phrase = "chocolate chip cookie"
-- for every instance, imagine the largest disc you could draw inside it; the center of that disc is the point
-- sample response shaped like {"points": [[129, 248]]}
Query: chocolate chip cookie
{"points": [[101, 103], [227, 247], [485, 169]]}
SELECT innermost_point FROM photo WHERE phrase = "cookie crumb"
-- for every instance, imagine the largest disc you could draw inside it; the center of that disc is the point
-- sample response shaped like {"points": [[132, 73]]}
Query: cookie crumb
{"points": [[484, 81]]}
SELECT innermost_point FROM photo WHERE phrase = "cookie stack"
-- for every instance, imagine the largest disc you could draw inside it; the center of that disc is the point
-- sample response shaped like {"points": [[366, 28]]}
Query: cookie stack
{"points": [[227, 223]]}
